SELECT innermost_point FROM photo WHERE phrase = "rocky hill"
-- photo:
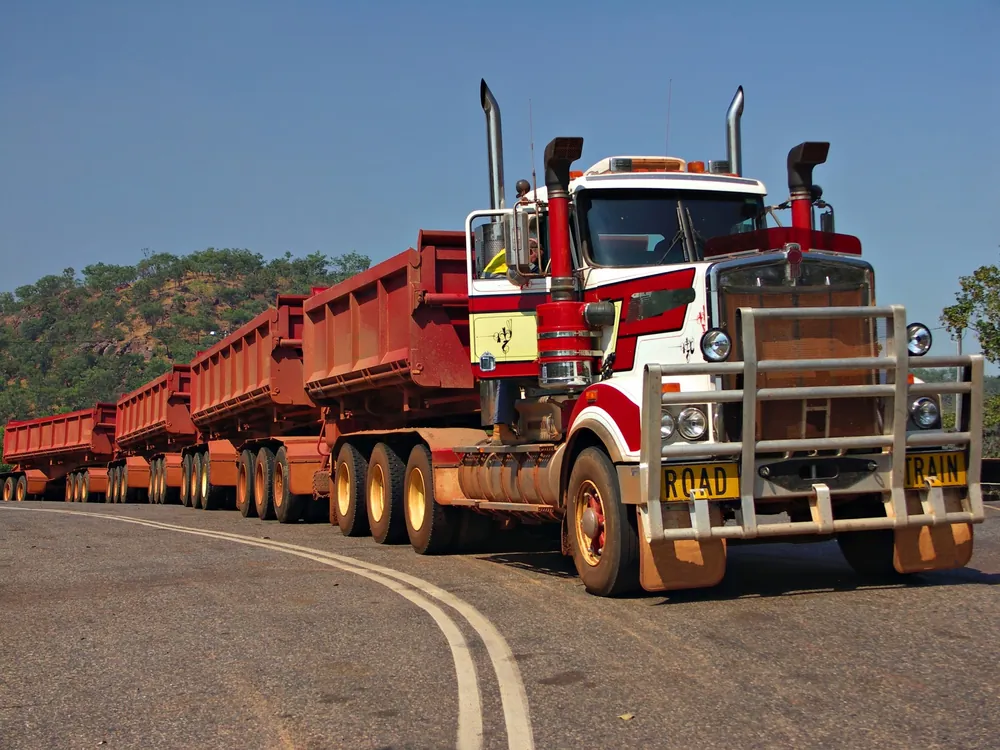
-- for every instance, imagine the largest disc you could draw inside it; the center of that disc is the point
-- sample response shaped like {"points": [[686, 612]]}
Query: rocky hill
{"points": [[71, 340]]}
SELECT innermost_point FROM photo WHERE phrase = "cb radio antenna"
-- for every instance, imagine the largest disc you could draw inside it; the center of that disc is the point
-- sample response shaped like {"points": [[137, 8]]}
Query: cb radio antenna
{"points": [[531, 137], [670, 91]]}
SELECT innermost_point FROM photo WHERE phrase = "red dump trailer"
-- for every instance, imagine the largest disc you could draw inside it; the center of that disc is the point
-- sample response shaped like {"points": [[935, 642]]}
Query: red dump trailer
{"points": [[259, 432], [63, 455], [153, 425], [387, 355]]}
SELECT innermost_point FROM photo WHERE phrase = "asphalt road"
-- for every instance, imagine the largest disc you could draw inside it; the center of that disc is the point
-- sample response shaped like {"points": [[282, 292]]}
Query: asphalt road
{"points": [[124, 635]]}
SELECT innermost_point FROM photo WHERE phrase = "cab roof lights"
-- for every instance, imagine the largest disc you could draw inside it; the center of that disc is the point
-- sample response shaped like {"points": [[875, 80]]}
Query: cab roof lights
{"points": [[645, 164], [631, 164]]}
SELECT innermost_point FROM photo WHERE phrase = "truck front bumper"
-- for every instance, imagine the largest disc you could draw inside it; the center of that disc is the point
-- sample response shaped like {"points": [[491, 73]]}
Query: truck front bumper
{"points": [[893, 462]]}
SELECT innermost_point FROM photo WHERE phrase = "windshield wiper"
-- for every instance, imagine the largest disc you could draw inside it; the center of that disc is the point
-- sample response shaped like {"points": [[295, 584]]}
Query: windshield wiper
{"points": [[683, 215], [700, 246]]}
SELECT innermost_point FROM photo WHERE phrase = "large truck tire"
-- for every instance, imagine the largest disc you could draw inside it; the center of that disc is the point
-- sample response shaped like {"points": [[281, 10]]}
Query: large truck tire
{"points": [[162, 491], [245, 503], [21, 489], [384, 495], [194, 484], [152, 489], [263, 484], [83, 483], [186, 462], [603, 531], [430, 526], [8, 489], [348, 491], [869, 553], [213, 497], [160, 485], [111, 496], [288, 508], [68, 495]]}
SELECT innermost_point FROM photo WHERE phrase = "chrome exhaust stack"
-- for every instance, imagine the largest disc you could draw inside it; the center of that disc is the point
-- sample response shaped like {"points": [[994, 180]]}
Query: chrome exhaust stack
{"points": [[494, 143], [734, 147]]}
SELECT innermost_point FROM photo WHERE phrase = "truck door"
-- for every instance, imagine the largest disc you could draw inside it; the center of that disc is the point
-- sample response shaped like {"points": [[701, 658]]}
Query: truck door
{"points": [[502, 317]]}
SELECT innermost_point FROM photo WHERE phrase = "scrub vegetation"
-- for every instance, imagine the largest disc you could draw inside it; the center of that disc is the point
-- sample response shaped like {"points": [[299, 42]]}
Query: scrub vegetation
{"points": [[71, 340]]}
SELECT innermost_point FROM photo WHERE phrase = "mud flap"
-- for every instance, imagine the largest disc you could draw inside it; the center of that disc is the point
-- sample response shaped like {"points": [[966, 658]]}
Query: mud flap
{"points": [[918, 550], [925, 548], [685, 564]]}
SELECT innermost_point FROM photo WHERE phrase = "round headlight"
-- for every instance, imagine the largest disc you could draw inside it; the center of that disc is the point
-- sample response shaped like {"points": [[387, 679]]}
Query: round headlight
{"points": [[666, 426], [692, 423], [918, 339], [716, 345], [925, 413]]}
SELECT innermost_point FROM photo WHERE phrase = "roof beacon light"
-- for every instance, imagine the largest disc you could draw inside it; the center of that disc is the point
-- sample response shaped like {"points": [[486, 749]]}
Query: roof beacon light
{"points": [[631, 164]]}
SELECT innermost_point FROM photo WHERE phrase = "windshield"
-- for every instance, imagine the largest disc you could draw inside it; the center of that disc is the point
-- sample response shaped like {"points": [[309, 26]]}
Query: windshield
{"points": [[652, 227]]}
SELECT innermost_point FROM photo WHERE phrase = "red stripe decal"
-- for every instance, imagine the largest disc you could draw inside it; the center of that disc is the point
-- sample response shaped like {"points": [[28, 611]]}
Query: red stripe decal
{"points": [[623, 411]]}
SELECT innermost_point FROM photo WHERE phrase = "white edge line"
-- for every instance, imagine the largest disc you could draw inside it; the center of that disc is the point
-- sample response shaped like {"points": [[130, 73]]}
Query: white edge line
{"points": [[470, 718], [513, 696]]}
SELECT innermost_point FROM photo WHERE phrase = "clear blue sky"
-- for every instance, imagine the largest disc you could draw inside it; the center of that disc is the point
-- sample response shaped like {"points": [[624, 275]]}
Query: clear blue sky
{"points": [[339, 126]]}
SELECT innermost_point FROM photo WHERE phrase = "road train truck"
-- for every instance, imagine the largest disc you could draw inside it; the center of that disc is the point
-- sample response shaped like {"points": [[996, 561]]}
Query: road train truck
{"points": [[673, 376], [682, 376]]}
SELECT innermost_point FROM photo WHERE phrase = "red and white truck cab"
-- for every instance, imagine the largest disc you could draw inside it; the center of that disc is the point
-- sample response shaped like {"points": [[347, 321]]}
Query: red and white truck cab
{"points": [[688, 376]]}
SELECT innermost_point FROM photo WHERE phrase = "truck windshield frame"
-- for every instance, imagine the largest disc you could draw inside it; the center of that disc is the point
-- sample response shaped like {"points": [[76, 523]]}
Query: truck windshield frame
{"points": [[641, 227]]}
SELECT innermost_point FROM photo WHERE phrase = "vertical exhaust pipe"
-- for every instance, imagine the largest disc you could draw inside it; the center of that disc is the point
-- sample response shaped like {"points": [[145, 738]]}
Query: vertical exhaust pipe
{"points": [[802, 159], [494, 144], [734, 147]]}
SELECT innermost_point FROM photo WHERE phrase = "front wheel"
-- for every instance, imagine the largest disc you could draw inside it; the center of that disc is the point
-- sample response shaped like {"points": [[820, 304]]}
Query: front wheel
{"points": [[869, 553], [603, 531]]}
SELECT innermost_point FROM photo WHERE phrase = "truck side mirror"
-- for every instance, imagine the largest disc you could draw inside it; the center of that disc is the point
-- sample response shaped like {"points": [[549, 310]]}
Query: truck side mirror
{"points": [[519, 249]]}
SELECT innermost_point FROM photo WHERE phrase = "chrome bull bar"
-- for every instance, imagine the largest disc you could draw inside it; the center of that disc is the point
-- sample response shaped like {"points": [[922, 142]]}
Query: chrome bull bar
{"points": [[896, 363]]}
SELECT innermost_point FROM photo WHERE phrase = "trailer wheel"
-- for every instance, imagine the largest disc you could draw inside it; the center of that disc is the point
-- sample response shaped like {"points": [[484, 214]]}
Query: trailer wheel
{"points": [[162, 491], [21, 489], [288, 508], [869, 553], [348, 491], [186, 481], [263, 489], [244, 485], [68, 494], [151, 486], [194, 480], [119, 484], [8, 489], [160, 485], [430, 526], [603, 533], [83, 482], [384, 496]]}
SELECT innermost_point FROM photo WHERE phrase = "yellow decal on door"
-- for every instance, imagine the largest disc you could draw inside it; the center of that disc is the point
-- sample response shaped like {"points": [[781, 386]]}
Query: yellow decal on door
{"points": [[508, 336]]}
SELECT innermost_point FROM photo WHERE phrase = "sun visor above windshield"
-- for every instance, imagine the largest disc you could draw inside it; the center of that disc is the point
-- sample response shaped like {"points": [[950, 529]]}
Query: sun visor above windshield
{"points": [[775, 238]]}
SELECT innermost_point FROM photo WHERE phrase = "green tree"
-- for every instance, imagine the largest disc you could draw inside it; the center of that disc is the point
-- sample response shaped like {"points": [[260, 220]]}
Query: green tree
{"points": [[977, 309]]}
